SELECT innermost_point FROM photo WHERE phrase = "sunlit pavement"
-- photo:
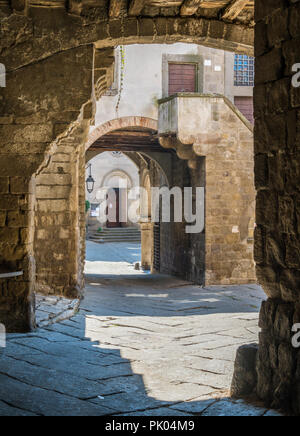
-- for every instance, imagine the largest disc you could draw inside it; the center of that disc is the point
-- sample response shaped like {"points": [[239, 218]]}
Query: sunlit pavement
{"points": [[139, 345], [112, 258]]}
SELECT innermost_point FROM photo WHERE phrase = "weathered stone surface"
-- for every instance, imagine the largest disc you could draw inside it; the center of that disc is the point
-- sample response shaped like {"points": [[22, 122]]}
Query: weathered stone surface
{"points": [[138, 362], [244, 377], [277, 242]]}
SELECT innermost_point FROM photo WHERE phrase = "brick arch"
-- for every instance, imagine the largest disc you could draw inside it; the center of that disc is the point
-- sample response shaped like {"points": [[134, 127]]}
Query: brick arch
{"points": [[123, 123], [120, 123]]}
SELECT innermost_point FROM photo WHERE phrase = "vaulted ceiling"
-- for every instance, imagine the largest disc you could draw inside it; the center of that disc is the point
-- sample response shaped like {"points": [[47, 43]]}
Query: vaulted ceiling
{"points": [[33, 30], [239, 11], [130, 139], [231, 11]]}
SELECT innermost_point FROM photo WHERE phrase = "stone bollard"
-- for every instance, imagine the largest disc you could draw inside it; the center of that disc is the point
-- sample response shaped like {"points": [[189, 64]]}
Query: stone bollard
{"points": [[245, 376]]}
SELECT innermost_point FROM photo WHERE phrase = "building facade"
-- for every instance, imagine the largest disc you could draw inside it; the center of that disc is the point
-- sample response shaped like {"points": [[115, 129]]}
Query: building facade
{"points": [[144, 74]]}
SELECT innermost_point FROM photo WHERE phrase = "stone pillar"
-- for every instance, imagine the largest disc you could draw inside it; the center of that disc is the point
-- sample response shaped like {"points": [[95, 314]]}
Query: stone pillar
{"points": [[16, 251], [41, 104], [277, 170], [147, 245], [220, 158], [58, 217]]}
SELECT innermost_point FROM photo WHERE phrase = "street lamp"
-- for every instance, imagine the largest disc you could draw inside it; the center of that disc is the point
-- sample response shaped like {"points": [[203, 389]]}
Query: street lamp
{"points": [[90, 182]]}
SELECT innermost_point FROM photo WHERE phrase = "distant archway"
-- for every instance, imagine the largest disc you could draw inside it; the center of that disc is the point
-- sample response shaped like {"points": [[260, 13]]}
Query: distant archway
{"points": [[120, 123]]}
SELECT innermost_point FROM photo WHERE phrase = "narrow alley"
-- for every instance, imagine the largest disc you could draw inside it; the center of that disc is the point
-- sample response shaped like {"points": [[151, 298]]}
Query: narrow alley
{"points": [[140, 344]]}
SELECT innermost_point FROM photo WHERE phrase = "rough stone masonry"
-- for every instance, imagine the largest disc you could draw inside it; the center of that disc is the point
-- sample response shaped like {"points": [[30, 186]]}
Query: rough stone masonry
{"points": [[49, 54]]}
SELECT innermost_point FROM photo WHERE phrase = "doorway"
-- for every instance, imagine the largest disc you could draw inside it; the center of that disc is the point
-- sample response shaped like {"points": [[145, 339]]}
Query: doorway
{"points": [[113, 209]]}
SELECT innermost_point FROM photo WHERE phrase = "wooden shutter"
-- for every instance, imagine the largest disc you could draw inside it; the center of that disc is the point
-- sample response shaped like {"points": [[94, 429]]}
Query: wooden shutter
{"points": [[245, 105], [182, 78]]}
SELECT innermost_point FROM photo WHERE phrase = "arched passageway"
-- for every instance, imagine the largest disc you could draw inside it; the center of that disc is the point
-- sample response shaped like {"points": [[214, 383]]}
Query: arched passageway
{"points": [[50, 116], [222, 252], [138, 136], [46, 59]]}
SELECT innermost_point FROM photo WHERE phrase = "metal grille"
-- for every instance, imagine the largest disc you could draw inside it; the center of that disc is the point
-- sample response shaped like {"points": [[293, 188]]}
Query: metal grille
{"points": [[157, 247], [243, 70]]}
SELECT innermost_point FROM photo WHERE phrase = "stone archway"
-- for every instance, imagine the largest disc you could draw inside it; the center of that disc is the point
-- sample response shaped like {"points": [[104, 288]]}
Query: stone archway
{"points": [[149, 124], [157, 161], [119, 123], [47, 51], [46, 61]]}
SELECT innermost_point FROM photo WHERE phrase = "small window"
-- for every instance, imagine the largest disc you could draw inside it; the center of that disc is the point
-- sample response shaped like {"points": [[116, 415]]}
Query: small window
{"points": [[182, 78], [243, 70], [95, 209]]}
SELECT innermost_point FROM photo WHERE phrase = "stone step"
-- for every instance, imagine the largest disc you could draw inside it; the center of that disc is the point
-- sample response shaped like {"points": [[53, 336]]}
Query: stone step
{"points": [[120, 230], [98, 235], [101, 240], [126, 234], [115, 237]]}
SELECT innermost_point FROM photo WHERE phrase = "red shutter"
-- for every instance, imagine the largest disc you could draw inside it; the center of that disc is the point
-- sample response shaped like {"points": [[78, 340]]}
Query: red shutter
{"points": [[245, 105], [182, 78]]}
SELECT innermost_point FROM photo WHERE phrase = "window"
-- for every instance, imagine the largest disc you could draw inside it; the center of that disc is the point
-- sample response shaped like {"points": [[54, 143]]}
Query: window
{"points": [[95, 209], [182, 78], [243, 70]]}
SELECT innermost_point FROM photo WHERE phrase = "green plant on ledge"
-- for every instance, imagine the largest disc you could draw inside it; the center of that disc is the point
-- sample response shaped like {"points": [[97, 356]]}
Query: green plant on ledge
{"points": [[87, 206]]}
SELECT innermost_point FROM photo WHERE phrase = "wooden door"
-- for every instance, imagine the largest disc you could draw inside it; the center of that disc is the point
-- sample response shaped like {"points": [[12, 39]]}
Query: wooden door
{"points": [[182, 78], [113, 205]]}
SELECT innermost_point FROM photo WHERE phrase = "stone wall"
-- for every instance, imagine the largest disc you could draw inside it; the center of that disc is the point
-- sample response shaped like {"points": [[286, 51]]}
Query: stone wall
{"points": [[51, 68], [174, 242], [57, 218], [277, 170], [217, 142], [38, 108], [181, 254]]}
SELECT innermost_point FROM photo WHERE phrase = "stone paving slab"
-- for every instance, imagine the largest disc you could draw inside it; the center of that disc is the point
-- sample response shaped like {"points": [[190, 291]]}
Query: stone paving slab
{"points": [[163, 411], [43, 402], [61, 382], [233, 408], [139, 345], [52, 309]]}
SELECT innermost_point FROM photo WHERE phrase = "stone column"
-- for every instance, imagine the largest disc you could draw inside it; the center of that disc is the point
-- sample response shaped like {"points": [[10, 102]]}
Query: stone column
{"points": [[58, 217], [147, 245], [41, 104], [277, 170], [16, 250]]}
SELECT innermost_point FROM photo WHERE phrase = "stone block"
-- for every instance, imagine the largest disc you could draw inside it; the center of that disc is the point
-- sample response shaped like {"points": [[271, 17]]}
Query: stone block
{"points": [[27, 133], [2, 218], [17, 218], [4, 185], [284, 321], [268, 279], [53, 192], [245, 376], [20, 185], [9, 202], [9, 236], [269, 66]]}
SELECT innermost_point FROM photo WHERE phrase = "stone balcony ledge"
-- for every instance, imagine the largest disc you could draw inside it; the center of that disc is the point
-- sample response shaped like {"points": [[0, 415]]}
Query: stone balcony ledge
{"points": [[9, 275], [181, 115]]}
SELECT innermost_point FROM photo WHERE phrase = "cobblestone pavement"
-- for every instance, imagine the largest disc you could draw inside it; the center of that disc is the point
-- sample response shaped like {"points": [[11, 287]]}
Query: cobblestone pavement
{"points": [[139, 345]]}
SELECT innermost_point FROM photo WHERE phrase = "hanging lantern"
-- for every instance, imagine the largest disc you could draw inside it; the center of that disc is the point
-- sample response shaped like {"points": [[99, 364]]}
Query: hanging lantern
{"points": [[90, 182]]}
